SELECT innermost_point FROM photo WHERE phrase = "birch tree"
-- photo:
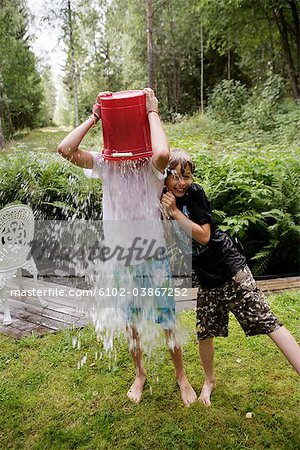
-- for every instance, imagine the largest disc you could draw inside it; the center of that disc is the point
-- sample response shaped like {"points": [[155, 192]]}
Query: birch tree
{"points": [[150, 41]]}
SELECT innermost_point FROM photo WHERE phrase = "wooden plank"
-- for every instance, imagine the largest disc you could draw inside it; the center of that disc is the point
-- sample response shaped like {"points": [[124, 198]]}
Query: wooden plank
{"points": [[28, 326], [20, 328], [51, 310], [279, 284], [183, 306], [12, 332], [52, 324]]}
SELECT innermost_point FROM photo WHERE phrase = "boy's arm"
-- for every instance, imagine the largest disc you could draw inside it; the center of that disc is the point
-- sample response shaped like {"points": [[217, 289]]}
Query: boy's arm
{"points": [[201, 233], [159, 142], [68, 147]]}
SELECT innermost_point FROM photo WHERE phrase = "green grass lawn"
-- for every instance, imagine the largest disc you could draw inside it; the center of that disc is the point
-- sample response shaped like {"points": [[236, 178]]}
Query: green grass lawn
{"points": [[46, 402]]}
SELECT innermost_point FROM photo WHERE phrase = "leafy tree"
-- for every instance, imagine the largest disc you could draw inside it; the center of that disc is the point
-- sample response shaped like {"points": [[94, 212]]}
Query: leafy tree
{"points": [[46, 116], [261, 33], [20, 83], [192, 46]]}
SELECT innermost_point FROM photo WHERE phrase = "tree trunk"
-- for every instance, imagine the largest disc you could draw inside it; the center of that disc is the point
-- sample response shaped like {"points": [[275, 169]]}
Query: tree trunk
{"points": [[150, 41], [297, 29], [282, 26], [73, 63], [2, 140], [201, 69], [228, 64], [176, 86], [273, 59]]}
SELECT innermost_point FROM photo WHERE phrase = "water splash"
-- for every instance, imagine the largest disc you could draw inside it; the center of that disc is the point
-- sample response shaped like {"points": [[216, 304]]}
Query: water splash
{"points": [[131, 208]]}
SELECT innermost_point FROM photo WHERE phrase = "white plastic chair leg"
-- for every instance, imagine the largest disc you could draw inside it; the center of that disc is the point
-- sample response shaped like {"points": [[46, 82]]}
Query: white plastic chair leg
{"points": [[43, 302], [7, 316], [20, 280], [31, 267]]}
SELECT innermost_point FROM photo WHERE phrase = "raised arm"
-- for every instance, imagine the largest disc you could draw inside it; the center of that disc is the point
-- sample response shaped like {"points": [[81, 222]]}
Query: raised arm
{"points": [[69, 146], [159, 141]]}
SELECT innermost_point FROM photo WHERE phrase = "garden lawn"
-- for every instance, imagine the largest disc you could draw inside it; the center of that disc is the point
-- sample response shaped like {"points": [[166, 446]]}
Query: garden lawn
{"points": [[46, 402]]}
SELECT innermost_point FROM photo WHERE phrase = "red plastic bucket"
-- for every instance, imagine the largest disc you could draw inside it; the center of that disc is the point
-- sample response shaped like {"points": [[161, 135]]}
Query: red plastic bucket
{"points": [[125, 125]]}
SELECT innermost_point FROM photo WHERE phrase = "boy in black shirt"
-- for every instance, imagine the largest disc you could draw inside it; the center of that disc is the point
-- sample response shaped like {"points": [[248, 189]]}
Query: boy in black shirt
{"points": [[225, 281]]}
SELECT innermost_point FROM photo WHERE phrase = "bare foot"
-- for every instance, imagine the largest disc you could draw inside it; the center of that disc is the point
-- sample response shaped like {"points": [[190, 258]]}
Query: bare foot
{"points": [[207, 389], [188, 394], [135, 392]]}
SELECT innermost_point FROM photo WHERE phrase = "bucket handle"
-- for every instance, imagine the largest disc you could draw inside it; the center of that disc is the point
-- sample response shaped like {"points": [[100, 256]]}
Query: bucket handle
{"points": [[120, 155]]}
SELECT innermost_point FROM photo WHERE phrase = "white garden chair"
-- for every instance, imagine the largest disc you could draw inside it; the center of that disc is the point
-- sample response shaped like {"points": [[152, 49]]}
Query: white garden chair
{"points": [[16, 235]]}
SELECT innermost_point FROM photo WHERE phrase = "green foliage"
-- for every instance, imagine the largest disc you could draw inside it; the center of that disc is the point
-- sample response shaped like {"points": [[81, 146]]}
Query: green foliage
{"points": [[255, 108], [106, 48], [248, 174], [227, 100], [263, 103], [256, 197], [52, 187], [251, 177], [20, 88], [251, 31]]}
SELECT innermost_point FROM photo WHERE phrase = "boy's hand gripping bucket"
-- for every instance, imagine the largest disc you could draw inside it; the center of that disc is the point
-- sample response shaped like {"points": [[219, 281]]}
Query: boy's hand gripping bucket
{"points": [[125, 125]]}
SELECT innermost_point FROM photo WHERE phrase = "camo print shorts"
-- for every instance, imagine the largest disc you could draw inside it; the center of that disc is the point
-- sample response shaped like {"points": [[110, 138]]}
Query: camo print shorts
{"points": [[243, 298]]}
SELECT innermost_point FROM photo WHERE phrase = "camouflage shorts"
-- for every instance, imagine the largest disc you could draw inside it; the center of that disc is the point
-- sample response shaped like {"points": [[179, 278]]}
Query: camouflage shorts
{"points": [[243, 298]]}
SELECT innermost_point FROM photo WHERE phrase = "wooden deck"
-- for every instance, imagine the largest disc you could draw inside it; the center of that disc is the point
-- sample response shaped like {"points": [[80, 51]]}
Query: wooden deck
{"points": [[64, 310]]}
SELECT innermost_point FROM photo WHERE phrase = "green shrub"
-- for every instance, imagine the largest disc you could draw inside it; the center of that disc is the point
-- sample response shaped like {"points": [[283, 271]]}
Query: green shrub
{"points": [[255, 108], [227, 99], [255, 196], [51, 186], [263, 103], [252, 178]]}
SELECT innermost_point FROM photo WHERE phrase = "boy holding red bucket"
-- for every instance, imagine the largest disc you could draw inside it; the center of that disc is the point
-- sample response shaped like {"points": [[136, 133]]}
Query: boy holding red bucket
{"points": [[131, 192]]}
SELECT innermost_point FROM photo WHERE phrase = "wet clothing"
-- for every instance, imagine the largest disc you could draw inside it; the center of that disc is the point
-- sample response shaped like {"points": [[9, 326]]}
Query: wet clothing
{"points": [[131, 212], [129, 192], [225, 281], [241, 296], [151, 297]]}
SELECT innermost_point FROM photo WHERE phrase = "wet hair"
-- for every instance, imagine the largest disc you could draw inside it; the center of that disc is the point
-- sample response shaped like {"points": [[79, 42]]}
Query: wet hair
{"points": [[179, 156]]}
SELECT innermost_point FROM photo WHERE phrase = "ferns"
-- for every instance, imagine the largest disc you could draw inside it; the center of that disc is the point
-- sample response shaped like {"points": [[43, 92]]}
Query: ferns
{"points": [[52, 187], [256, 195]]}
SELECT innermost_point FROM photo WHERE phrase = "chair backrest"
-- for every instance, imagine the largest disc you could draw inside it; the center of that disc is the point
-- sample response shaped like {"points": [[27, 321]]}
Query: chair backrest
{"points": [[16, 235]]}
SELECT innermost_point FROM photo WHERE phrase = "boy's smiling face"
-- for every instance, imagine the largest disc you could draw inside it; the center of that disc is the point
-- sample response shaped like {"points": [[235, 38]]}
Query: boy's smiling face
{"points": [[178, 181]]}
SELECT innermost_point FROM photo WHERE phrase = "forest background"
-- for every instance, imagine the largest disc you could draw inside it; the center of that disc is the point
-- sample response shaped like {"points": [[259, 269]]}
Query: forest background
{"points": [[227, 75]]}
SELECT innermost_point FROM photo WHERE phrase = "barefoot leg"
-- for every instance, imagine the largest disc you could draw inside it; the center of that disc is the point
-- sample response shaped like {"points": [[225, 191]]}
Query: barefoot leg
{"points": [[136, 390], [288, 345], [188, 394], [206, 350]]}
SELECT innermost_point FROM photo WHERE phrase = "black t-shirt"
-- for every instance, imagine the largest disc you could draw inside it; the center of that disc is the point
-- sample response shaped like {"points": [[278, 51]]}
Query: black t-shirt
{"points": [[218, 260]]}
